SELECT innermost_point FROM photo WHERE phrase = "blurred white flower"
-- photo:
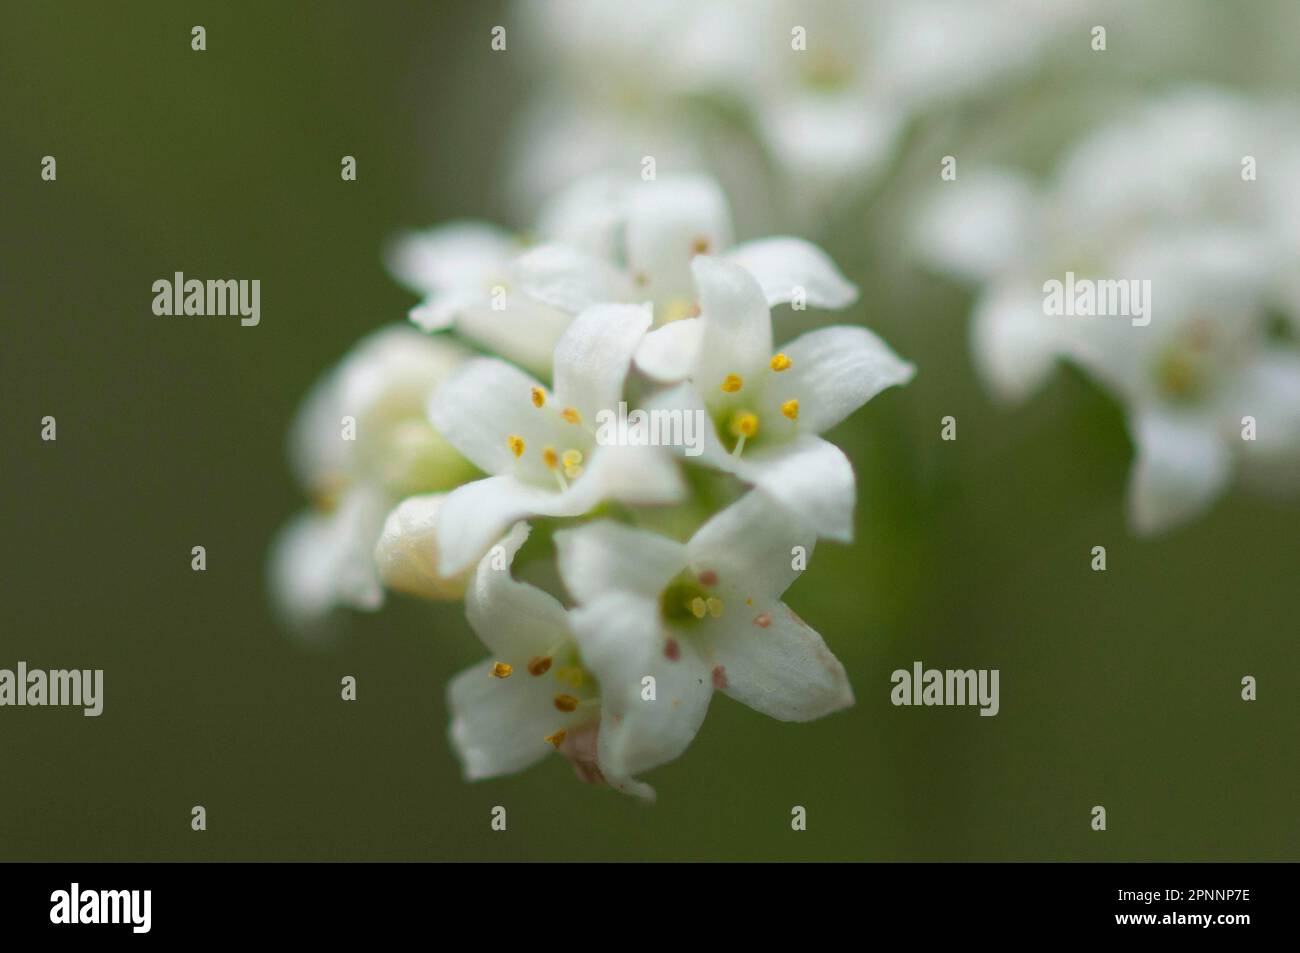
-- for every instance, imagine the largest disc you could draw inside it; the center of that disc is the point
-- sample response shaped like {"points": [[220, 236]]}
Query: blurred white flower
{"points": [[539, 446], [769, 407], [463, 271], [826, 86], [1159, 196], [622, 239], [360, 442]]}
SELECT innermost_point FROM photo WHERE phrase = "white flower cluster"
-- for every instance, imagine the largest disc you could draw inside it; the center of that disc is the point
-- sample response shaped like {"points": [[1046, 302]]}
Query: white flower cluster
{"points": [[671, 566], [1210, 376]]}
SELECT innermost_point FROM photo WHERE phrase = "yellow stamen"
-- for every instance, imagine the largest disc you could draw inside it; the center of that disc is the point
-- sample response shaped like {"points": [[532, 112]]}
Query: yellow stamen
{"points": [[501, 670], [540, 665], [699, 607], [744, 424], [700, 246], [790, 409], [550, 458], [573, 472], [572, 458], [516, 444], [557, 739], [539, 397], [780, 362], [714, 606], [731, 383], [566, 703], [571, 415]]}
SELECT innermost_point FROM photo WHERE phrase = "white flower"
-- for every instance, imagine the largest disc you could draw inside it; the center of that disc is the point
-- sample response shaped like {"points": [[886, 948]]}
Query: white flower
{"points": [[360, 442], [407, 552], [1156, 196], [462, 269], [769, 407], [630, 241], [533, 695], [830, 114], [695, 617], [538, 445]]}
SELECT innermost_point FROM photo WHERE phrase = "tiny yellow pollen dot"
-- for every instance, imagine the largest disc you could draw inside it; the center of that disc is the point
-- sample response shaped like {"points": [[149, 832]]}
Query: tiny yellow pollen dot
{"points": [[790, 409], [571, 415], [550, 458], [714, 606], [572, 458], [540, 665], [700, 246], [539, 397], [744, 424], [516, 444], [502, 670], [557, 739], [780, 362], [699, 607], [566, 703], [731, 383]]}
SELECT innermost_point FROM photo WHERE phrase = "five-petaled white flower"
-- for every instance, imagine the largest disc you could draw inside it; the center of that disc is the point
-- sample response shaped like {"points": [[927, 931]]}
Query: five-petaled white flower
{"points": [[769, 407], [539, 446]]}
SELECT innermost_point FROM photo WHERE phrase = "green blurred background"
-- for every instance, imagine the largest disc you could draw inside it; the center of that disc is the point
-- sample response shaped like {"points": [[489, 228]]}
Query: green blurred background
{"points": [[1118, 688]]}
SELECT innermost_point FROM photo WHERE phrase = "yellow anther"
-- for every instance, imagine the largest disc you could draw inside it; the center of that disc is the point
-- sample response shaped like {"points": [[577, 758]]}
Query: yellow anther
{"points": [[790, 409], [550, 458], [731, 383], [566, 703], [701, 245], [540, 665], [539, 397], [744, 424], [516, 444], [557, 739], [502, 670], [571, 415], [780, 362], [572, 458], [714, 605], [699, 608]]}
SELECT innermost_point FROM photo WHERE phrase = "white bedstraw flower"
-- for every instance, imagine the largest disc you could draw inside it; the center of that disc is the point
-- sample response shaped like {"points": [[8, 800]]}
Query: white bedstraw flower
{"points": [[769, 406], [539, 445], [361, 442], [462, 270], [1156, 197], [628, 240], [533, 695], [407, 551], [695, 617]]}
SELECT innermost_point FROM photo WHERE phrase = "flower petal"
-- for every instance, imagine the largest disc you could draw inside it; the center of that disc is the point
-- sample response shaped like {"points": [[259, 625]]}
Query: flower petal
{"points": [[570, 279], [669, 222], [811, 478], [978, 225], [481, 405], [476, 515], [593, 358], [1182, 464], [516, 621], [499, 725], [833, 372], [407, 551], [605, 556], [749, 546], [667, 354], [785, 266], [1013, 343], [775, 663], [737, 333], [458, 255], [621, 642]]}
